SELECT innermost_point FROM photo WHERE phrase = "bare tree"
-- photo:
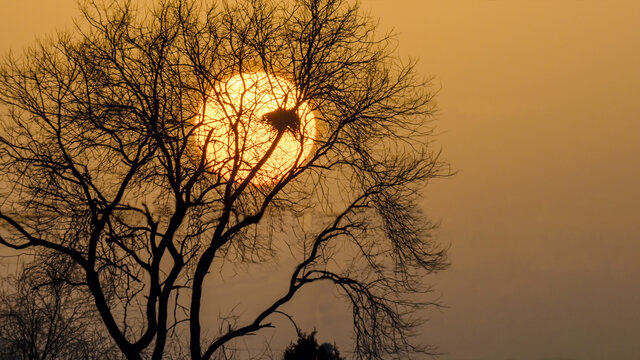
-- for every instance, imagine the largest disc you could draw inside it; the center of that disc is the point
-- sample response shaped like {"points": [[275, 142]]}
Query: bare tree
{"points": [[42, 317], [130, 149]]}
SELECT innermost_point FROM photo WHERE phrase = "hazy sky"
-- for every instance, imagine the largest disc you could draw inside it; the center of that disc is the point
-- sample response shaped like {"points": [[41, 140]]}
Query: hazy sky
{"points": [[540, 111]]}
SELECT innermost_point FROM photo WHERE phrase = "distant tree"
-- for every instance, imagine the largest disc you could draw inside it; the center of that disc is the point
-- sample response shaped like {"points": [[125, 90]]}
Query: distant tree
{"points": [[42, 318], [307, 348], [111, 160]]}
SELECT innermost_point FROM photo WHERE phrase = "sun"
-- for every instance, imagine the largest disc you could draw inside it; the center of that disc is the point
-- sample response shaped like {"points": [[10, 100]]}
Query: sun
{"points": [[256, 124]]}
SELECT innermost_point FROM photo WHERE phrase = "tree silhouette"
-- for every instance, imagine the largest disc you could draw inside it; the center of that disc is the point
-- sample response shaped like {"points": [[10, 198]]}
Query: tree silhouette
{"points": [[307, 348], [112, 161], [42, 317]]}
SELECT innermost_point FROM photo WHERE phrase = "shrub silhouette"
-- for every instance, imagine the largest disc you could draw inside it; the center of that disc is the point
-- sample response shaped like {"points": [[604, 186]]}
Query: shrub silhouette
{"points": [[307, 348]]}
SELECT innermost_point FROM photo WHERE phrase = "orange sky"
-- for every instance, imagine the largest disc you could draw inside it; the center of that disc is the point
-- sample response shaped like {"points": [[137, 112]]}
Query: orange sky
{"points": [[540, 111]]}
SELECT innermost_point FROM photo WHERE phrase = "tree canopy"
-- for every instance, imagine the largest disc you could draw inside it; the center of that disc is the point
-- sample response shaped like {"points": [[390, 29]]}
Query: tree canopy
{"points": [[104, 172]]}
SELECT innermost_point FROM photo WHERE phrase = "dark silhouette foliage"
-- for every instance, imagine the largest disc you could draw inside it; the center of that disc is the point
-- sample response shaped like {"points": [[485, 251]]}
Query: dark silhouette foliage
{"points": [[307, 348]]}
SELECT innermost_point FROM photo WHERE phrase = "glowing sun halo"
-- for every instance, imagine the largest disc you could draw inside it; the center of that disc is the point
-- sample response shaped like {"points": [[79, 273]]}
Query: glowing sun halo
{"points": [[243, 118]]}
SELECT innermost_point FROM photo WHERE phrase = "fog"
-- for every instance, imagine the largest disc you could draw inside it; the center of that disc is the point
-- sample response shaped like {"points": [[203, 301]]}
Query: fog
{"points": [[539, 110]]}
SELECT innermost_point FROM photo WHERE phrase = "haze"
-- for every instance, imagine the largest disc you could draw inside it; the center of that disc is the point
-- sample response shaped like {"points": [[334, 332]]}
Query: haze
{"points": [[539, 110]]}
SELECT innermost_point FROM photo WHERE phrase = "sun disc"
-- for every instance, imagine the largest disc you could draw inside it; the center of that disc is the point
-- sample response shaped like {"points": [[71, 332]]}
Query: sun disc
{"points": [[243, 118]]}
